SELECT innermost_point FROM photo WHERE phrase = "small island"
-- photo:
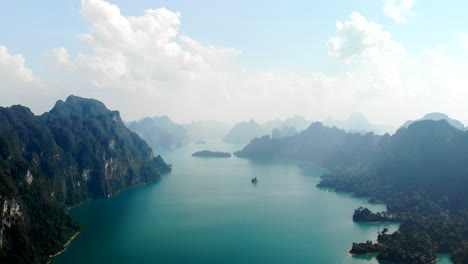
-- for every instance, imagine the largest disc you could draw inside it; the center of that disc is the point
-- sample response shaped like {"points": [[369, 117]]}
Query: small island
{"points": [[200, 142], [211, 154]]}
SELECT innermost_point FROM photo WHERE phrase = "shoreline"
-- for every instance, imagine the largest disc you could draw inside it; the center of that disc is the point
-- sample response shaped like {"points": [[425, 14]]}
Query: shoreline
{"points": [[117, 193], [76, 205], [383, 222], [376, 257], [361, 254], [386, 261], [65, 246], [383, 261]]}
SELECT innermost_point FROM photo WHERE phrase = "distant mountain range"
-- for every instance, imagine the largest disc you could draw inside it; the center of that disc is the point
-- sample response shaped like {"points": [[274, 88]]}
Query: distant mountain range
{"points": [[160, 132], [202, 130], [436, 117], [244, 132], [78, 151], [163, 133], [358, 123]]}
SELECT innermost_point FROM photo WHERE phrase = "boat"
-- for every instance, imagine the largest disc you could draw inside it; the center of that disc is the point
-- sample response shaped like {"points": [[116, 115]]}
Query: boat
{"points": [[254, 180]]}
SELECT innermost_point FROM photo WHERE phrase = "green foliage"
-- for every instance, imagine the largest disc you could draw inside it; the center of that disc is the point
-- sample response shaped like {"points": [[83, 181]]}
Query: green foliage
{"points": [[420, 173], [78, 151], [460, 255], [412, 248], [364, 248], [365, 215]]}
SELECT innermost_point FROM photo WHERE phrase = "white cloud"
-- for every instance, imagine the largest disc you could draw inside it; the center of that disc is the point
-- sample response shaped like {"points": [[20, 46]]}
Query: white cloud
{"points": [[377, 57], [143, 66], [390, 85], [399, 10], [144, 58], [19, 84], [12, 68], [360, 41]]}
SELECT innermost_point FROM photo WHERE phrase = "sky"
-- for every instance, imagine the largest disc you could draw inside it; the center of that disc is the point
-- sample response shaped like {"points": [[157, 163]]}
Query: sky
{"points": [[391, 60]]}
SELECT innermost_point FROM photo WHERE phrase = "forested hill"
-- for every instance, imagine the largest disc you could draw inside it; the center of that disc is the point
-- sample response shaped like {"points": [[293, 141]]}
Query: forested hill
{"points": [[420, 172], [78, 151], [328, 146]]}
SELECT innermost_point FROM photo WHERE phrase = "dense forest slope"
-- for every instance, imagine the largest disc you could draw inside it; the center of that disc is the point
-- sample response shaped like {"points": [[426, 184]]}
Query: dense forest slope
{"points": [[328, 146], [78, 151], [420, 172]]}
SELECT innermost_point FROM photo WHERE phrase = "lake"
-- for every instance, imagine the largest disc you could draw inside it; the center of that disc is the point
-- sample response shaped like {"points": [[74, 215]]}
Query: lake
{"points": [[207, 211]]}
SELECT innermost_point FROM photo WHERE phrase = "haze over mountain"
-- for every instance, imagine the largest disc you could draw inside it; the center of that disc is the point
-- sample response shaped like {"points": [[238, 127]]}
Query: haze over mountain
{"points": [[244, 132], [357, 122], [419, 172], [160, 132], [206, 130], [438, 116]]}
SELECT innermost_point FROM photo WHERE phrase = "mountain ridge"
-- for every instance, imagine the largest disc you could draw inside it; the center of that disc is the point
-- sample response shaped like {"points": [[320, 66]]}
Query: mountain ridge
{"points": [[243, 132], [436, 116], [78, 151], [419, 173]]}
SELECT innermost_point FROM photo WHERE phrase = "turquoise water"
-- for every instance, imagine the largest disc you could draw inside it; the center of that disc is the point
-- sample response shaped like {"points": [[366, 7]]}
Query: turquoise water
{"points": [[207, 211]]}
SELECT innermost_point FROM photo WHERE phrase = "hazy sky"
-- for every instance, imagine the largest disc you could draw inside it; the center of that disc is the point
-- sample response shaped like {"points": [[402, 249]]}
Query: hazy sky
{"points": [[391, 60]]}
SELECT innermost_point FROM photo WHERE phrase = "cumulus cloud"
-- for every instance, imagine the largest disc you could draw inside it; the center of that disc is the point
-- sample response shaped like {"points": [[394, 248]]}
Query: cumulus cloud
{"points": [[12, 68], [377, 57], [143, 66], [361, 41], [399, 10], [146, 66], [19, 84], [388, 84]]}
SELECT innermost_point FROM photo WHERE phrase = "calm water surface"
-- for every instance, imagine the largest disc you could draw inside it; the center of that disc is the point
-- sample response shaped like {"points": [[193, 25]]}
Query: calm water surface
{"points": [[207, 211]]}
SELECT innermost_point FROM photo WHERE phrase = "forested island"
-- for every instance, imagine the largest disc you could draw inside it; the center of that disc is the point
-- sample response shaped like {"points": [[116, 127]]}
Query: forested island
{"points": [[211, 154], [420, 173], [78, 151]]}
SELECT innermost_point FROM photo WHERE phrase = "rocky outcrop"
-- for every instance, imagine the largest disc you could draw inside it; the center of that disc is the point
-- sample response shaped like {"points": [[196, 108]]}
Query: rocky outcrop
{"points": [[78, 151]]}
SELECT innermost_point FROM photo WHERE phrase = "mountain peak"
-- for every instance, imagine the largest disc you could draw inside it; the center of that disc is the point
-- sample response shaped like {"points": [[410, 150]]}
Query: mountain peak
{"points": [[75, 105], [436, 116]]}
